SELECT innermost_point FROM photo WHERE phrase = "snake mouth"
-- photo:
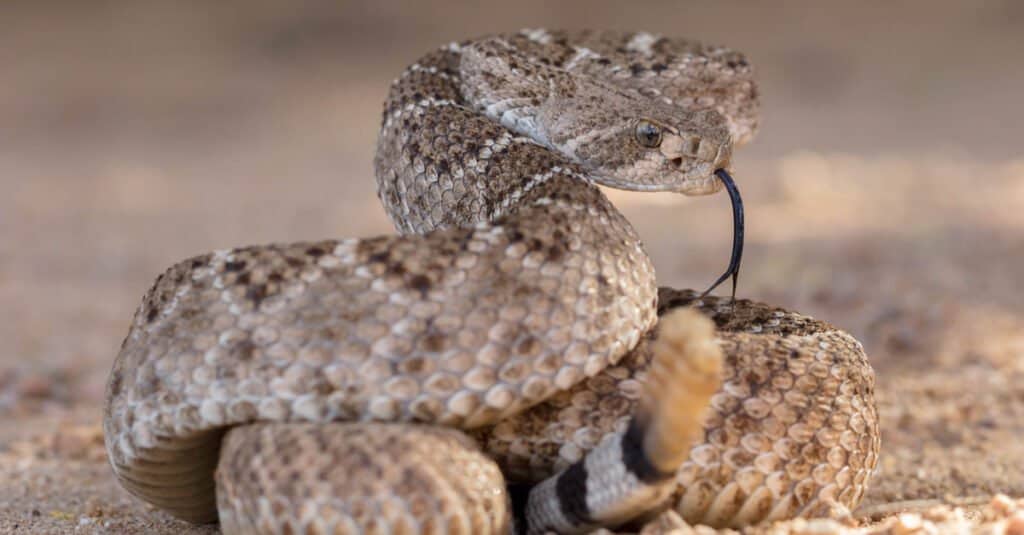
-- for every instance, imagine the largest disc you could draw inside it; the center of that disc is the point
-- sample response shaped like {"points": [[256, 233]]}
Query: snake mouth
{"points": [[700, 165], [691, 172], [706, 185], [695, 184]]}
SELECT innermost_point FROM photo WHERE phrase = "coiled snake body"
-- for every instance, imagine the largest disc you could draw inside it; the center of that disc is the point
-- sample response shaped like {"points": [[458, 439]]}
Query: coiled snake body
{"points": [[506, 335]]}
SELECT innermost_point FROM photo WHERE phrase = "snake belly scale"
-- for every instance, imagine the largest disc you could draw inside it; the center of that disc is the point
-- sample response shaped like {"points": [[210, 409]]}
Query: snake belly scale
{"points": [[509, 333]]}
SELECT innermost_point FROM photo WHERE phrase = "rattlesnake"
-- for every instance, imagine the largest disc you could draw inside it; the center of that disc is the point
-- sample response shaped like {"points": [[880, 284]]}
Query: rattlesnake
{"points": [[506, 335]]}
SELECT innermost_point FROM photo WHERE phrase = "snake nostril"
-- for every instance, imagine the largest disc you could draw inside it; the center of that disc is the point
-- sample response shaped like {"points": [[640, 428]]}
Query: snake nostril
{"points": [[678, 161]]}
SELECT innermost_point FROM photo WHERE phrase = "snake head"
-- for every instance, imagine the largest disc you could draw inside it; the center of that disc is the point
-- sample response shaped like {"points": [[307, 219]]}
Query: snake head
{"points": [[648, 146], [624, 139]]}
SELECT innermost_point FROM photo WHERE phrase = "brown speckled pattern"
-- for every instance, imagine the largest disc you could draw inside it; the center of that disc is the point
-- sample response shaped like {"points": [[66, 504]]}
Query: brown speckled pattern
{"points": [[514, 281], [312, 493], [793, 429]]}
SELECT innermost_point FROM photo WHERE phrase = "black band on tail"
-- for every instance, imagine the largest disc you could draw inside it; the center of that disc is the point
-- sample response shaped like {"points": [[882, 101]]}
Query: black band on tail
{"points": [[571, 489], [634, 458]]}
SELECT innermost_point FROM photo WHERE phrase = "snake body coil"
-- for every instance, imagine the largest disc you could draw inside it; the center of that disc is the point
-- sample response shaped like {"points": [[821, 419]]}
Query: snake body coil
{"points": [[505, 335]]}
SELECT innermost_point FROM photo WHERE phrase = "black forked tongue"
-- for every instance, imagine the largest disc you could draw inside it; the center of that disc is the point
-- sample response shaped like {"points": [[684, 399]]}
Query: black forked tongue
{"points": [[737, 234]]}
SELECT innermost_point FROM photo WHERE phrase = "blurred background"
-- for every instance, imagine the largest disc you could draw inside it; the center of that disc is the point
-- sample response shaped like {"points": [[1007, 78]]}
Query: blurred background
{"points": [[884, 193]]}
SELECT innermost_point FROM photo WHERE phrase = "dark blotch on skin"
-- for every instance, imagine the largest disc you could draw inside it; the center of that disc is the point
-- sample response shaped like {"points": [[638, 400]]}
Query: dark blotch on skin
{"points": [[256, 293], [115, 382], [420, 283], [245, 351], [433, 342], [527, 346], [413, 365]]}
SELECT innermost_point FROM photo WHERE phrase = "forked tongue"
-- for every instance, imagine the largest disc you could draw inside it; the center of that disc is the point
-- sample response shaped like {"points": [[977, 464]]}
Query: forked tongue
{"points": [[737, 234]]}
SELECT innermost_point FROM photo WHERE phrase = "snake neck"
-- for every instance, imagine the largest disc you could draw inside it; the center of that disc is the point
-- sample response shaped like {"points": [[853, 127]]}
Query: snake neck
{"points": [[447, 157]]}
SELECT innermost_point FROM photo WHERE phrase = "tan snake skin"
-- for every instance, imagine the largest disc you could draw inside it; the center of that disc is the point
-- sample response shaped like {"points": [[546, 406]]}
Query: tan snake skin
{"points": [[517, 305]]}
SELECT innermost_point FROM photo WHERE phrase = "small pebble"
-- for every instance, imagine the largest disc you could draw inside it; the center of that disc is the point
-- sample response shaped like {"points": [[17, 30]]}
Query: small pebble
{"points": [[1002, 505], [35, 386], [818, 526], [907, 523], [1015, 525]]}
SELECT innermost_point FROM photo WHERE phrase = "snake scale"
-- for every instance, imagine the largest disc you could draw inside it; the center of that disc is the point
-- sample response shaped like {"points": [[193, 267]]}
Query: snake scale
{"points": [[499, 364]]}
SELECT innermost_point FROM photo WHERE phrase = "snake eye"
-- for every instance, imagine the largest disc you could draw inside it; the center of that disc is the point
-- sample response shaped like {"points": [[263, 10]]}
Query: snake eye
{"points": [[648, 134]]}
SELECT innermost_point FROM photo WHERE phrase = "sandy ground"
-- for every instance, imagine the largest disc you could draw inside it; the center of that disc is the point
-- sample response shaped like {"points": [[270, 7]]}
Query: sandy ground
{"points": [[884, 194]]}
